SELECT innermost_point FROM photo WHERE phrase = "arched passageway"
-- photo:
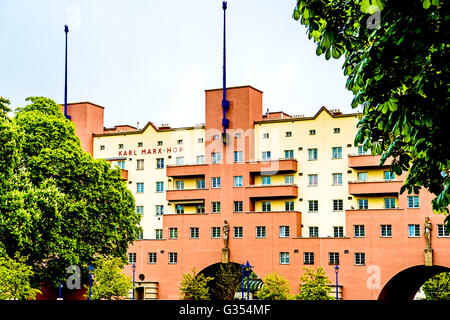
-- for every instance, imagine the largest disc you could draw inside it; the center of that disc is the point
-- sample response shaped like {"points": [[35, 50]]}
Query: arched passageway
{"points": [[405, 284]]}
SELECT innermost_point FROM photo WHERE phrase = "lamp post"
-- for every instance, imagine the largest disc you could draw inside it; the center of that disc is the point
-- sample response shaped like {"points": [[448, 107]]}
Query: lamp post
{"points": [[246, 270], [66, 30], [91, 268], [336, 268], [134, 270]]}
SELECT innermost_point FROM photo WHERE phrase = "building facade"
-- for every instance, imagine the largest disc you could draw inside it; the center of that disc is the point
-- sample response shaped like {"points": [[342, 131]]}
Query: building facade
{"points": [[283, 192]]}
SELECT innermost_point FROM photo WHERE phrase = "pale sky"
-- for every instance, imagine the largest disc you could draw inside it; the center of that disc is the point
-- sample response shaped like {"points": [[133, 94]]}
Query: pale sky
{"points": [[149, 60]]}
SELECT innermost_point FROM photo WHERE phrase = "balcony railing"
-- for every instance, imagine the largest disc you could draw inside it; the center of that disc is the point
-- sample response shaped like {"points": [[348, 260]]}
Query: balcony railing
{"points": [[272, 191], [366, 161], [374, 187]]}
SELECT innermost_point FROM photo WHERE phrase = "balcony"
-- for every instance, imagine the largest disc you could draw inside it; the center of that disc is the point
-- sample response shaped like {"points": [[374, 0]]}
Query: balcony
{"points": [[186, 195], [373, 188], [272, 191], [186, 170], [124, 174], [270, 167], [367, 161]]}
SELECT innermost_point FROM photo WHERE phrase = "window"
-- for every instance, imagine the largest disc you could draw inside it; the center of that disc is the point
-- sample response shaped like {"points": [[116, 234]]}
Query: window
{"points": [[284, 257], [337, 179], [132, 258], [237, 231], [200, 208], [173, 233], [152, 257], [313, 205], [361, 150], [159, 163], [333, 257], [288, 133], [336, 153], [159, 186], [194, 232], [389, 203], [289, 179], [289, 154], [102, 147], [200, 140], [360, 258], [180, 141], [260, 232], [216, 137], [158, 234], [140, 187], [140, 235], [140, 210], [338, 232], [140, 144], [363, 176], [266, 155], [237, 181], [180, 208], [180, 161], [266, 206], [237, 156], [312, 154], [338, 205], [313, 232], [215, 182], [215, 232], [173, 257], [159, 143], [359, 230], [413, 201], [389, 175], [159, 210], [266, 180], [140, 164], [312, 132], [121, 146], [215, 157], [215, 206], [337, 130], [238, 206], [386, 230], [442, 231], [201, 159], [308, 257], [312, 180], [289, 205], [200, 184], [237, 135], [413, 230], [121, 164], [284, 231], [265, 135], [363, 204], [180, 185]]}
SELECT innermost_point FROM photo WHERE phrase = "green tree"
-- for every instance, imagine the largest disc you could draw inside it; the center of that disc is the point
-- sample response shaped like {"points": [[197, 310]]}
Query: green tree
{"points": [[275, 287], [396, 60], [437, 287], [15, 277], [58, 206], [226, 282], [109, 282], [194, 286], [314, 285]]}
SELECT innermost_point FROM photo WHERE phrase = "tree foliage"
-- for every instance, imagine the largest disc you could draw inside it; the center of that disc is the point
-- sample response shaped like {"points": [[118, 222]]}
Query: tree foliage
{"points": [[58, 206], [15, 276], [109, 282], [226, 282], [276, 287], [396, 63], [314, 285], [194, 286], [438, 287]]}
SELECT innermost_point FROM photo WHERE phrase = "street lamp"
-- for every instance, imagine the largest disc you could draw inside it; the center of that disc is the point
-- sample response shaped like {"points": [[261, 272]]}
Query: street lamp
{"points": [[246, 270], [91, 268], [134, 269], [336, 268]]}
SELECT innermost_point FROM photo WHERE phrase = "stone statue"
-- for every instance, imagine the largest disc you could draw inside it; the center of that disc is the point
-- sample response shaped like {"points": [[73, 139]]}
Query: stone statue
{"points": [[226, 232], [427, 232]]}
